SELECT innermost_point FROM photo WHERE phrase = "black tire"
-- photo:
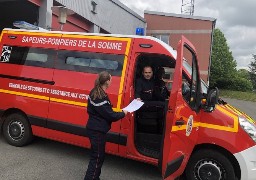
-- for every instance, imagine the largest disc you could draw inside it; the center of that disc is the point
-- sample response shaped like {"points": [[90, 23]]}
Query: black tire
{"points": [[16, 130], [209, 165]]}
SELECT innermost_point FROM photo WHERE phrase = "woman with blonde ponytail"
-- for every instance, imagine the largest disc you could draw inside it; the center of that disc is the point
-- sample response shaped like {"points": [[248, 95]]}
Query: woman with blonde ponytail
{"points": [[99, 123]]}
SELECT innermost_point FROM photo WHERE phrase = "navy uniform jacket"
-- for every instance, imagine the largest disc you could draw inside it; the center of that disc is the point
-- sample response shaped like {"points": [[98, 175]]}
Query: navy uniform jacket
{"points": [[101, 114], [161, 92], [144, 89]]}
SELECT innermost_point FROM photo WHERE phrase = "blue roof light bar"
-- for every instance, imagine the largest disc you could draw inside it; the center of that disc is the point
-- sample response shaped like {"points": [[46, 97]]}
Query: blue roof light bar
{"points": [[25, 25]]}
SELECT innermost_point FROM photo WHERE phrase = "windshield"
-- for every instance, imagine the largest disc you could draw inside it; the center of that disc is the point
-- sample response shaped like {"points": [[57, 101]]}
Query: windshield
{"points": [[204, 87]]}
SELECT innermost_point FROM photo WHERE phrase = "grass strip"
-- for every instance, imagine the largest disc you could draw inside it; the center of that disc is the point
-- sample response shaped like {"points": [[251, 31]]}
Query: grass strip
{"points": [[247, 96]]}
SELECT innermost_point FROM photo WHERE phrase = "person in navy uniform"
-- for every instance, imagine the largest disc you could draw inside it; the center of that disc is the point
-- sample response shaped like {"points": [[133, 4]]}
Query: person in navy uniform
{"points": [[161, 92], [145, 85], [101, 116]]}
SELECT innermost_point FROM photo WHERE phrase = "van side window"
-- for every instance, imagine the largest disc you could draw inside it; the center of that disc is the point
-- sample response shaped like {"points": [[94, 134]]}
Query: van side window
{"points": [[90, 62], [190, 80], [96, 63], [29, 56]]}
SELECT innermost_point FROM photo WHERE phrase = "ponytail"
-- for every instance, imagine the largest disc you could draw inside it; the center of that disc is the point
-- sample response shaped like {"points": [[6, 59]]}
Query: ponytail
{"points": [[98, 92]]}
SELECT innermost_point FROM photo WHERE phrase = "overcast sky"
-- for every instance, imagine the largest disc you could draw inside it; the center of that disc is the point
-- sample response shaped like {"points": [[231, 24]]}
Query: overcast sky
{"points": [[235, 18]]}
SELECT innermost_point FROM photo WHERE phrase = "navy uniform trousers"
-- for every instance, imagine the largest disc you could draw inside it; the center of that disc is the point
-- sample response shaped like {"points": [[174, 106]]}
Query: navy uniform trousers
{"points": [[98, 143]]}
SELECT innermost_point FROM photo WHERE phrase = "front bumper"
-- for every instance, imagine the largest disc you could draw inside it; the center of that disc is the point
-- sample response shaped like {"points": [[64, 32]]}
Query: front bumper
{"points": [[247, 162]]}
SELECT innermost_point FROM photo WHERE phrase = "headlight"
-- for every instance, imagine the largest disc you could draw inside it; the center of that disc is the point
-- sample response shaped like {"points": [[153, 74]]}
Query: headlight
{"points": [[248, 127]]}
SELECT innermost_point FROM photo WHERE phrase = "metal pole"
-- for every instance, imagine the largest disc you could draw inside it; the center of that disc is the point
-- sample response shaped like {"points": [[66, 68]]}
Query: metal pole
{"points": [[61, 27]]}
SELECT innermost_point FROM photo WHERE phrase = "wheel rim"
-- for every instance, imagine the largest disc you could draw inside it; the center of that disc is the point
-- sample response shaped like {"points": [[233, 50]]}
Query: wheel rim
{"points": [[16, 130], [209, 170]]}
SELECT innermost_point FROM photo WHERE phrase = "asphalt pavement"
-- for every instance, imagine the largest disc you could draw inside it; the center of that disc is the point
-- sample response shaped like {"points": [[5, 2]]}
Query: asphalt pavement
{"points": [[49, 160], [248, 107]]}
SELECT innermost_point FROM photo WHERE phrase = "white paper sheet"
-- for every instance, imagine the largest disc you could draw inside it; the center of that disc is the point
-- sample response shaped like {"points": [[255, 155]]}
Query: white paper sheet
{"points": [[134, 106]]}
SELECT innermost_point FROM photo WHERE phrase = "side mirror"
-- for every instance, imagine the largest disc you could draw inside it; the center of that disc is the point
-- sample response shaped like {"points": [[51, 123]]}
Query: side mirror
{"points": [[212, 99]]}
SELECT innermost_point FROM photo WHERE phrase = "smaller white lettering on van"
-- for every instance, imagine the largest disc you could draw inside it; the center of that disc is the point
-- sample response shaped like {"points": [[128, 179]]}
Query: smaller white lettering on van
{"points": [[83, 96], [44, 90]]}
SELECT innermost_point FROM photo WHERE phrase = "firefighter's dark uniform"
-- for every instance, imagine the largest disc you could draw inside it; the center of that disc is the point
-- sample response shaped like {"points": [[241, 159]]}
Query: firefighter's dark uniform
{"points": [[101, 116], [144, 89], [161, 92]]}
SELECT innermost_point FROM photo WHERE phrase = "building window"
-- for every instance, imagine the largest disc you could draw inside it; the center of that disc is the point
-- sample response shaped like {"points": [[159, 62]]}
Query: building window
{"points": [[162, 37]]}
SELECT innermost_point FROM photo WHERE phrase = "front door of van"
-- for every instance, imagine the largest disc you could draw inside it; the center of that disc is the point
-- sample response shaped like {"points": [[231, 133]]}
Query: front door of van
{"points": [[181, 130]]}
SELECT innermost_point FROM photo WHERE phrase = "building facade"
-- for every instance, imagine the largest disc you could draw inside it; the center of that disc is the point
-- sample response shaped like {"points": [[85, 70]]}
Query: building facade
{"points": [[97, 16], [170, 27]]}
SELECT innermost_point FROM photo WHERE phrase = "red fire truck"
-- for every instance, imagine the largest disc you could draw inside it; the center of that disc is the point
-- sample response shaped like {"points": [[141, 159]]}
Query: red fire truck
{"points": [[45, 79]]}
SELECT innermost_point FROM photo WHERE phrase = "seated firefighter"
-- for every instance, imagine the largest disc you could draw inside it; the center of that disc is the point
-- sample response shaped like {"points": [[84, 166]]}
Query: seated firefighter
{"points": [[150, 115], [145, 85], [161, 92]]}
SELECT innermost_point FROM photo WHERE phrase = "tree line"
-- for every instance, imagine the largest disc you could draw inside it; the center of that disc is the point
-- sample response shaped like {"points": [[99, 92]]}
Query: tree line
{"points": [[223, 70]]}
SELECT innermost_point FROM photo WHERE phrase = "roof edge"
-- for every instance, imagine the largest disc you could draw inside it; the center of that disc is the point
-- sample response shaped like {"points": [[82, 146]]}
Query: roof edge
{"points": [[180, 15], [120, 4]]}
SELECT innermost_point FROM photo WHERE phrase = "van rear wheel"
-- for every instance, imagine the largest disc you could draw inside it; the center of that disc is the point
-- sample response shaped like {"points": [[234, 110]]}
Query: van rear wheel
{"points": [[16, 130], [209, 165]]}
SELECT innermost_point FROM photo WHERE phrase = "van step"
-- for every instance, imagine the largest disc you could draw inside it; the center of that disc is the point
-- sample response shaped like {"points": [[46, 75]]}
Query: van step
{"points": [[149, 152]]}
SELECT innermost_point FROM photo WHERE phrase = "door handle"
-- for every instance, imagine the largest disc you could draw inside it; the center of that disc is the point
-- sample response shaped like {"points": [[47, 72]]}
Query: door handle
{"points": [[180, 122]]}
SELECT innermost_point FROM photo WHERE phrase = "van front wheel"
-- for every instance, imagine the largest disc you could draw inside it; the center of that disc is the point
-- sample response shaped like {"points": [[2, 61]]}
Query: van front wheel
{"points": [[209, 165], [16, 130]]}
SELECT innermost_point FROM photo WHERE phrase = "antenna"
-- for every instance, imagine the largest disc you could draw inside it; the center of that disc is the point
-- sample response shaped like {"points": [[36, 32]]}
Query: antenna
{"points": [[187, 7]]}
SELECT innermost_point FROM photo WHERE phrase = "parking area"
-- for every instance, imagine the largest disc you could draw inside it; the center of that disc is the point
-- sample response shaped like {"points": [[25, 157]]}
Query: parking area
{"points": [[248, 107], [45, 159]]}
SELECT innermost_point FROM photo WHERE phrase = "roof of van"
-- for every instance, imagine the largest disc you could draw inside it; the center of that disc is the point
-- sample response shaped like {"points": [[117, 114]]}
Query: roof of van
{"points": [[78, 33], [168, 47]]}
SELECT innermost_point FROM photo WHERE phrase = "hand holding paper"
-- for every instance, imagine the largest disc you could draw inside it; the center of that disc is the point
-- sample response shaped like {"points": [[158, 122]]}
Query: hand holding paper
{"points": [[133, 106]]}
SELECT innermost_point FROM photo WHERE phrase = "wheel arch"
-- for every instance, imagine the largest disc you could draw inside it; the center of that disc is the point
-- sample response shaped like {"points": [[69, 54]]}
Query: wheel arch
{"points": [[7, 113], [222, 150]]}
